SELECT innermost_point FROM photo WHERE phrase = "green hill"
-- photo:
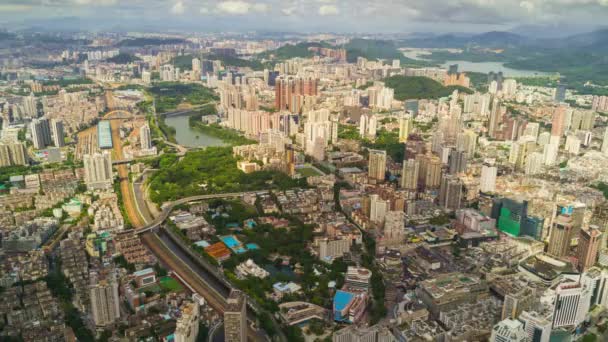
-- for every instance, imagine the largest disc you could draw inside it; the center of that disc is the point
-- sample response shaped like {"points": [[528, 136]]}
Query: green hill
{"points": [[415, 87], [123, 58]]}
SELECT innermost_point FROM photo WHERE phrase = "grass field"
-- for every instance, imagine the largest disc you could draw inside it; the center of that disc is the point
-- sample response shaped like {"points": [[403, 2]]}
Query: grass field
{"points": [[170, 284], [308, 171]]}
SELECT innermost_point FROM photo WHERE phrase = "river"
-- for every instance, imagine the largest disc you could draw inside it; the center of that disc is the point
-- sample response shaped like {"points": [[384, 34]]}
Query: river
{"points": [[188, 137]]}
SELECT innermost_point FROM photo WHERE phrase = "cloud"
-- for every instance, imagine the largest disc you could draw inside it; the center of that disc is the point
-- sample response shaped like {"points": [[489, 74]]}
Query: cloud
{"points": [[288, 10], [326, 10], [14, 8], [204, 10], [234, 7], [178, 8], [260, 7]]}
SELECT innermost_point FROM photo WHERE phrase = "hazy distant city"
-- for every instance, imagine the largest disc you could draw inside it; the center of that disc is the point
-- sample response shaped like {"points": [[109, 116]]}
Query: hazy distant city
{"points": [[303, 171]]}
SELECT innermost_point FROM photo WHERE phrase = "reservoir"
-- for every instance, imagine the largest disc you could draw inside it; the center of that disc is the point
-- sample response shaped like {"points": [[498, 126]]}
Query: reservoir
{"points": [[486, 67], [188, 137]]}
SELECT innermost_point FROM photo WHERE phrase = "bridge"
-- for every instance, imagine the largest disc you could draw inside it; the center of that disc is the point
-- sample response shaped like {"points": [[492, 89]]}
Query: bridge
{"points": [[118, 114], [168, 207]]}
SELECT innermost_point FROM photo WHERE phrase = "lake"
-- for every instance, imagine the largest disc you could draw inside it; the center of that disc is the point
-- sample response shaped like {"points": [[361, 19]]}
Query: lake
{"points": [[486, 67], [483, 67], [188, 137]]}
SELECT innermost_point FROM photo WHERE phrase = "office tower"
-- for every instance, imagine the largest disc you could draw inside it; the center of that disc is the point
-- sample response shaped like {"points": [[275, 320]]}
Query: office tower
{"points": [[512, 218], [457, 162], [561, 235], [588, 246], [57, 133], [450, 192], [235, 317], [570, 301], [558, 122], [488, 178], [144, 137], [105, 301], [537, 326], [410, 174], [41, 133], [376, 165], [98, 170], [404, 128], [508, 330], [186, 327], [560, 92]]}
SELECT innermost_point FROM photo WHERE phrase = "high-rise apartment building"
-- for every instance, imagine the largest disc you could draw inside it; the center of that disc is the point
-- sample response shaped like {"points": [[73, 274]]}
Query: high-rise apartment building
{"points": [[144, 137], [13, 154], [186, 327], [98, 170], [105, 302], [235, 317], [410, 174], [376, 165], [41, 133], [289, 88], [405, 123], [57, 133], [450, 192]]}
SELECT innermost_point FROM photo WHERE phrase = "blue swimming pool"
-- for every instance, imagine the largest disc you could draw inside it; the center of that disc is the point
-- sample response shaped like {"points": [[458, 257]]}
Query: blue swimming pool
{"points": [[252, 246], [230, 241]]}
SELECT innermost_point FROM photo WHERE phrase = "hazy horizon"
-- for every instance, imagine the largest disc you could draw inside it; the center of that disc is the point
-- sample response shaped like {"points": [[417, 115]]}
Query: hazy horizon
{"points": [[535, 17]]}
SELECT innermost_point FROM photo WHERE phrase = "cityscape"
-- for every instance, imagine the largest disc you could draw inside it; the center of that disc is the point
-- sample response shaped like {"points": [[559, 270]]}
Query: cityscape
{"points": [[306, 171]]}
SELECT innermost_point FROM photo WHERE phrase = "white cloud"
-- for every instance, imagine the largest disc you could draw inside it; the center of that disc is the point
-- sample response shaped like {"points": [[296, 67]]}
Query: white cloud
{"points": [[233, 7], [203, 10], [260, 7], [527, 5], [326, 10], [289, 10], [240, 7], [178, 8]]}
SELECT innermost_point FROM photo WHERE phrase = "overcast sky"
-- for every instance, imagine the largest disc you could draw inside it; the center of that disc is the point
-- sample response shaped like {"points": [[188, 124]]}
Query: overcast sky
{"points": [[309, 15]]}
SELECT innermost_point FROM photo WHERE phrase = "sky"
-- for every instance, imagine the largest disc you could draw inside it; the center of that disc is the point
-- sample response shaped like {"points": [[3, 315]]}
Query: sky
{"points": [[306, 15]]}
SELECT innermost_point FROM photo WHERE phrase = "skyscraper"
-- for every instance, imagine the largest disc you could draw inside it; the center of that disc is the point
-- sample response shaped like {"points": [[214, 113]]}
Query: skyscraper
{"points": [[508, 330], [186, 327], [57, 133], [98, 170], [144, 137], [560, 92], [410, 174], [561, 234], [104, 300], [288, 88], [235, 317], [41, 133], [404, 128], [377, 165], [537, 326], [488, 178], [457, 161], [558, 122], [588, 246], [450, 192]]}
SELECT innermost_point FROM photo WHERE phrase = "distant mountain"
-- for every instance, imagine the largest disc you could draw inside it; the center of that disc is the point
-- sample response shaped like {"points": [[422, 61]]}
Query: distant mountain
{"points": [[596, 41]]}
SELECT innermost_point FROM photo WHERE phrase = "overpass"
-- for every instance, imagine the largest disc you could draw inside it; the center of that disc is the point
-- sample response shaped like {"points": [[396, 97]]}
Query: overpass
{"points": [[118, 114], [168, 207]]}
